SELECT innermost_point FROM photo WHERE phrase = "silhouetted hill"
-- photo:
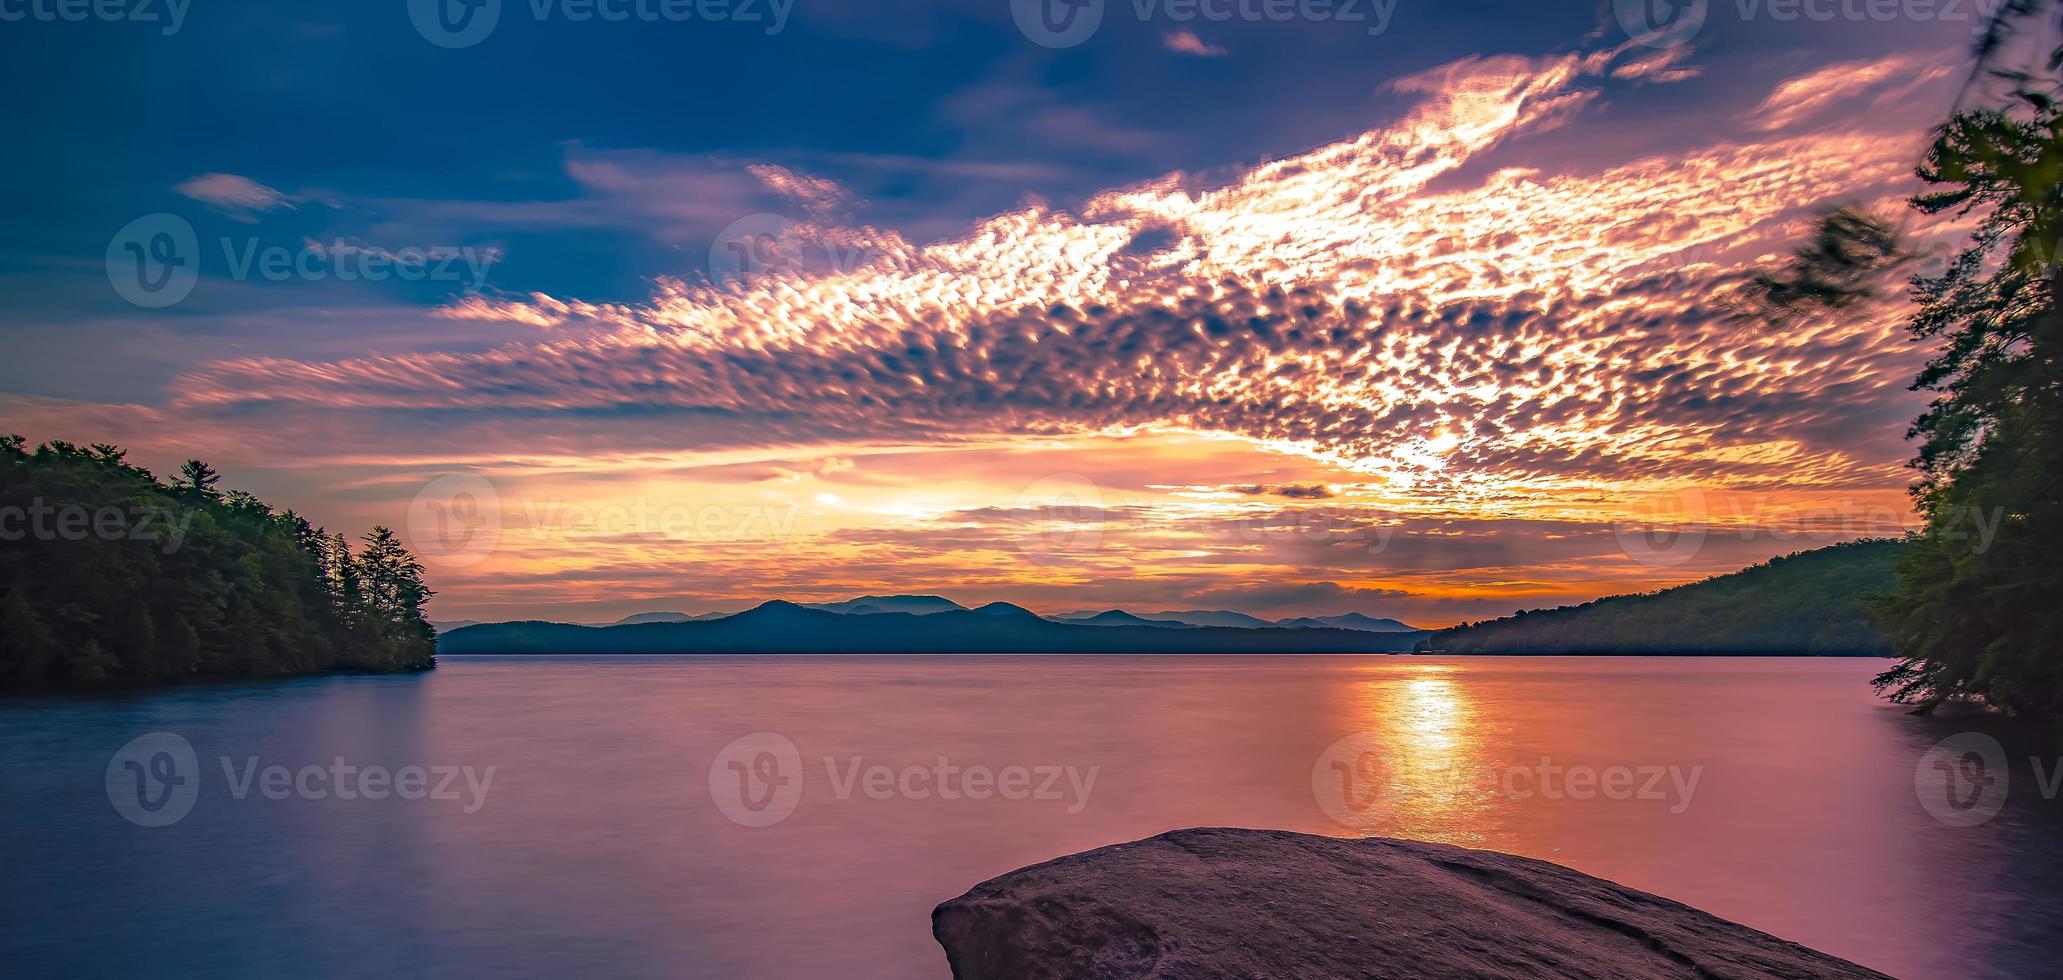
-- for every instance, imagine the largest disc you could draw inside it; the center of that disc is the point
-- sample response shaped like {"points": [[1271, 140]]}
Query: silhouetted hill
{"points": [[1210, 617], [663, 617], [1006, 609], [869, 604], [1350, 621], [785, 627], [1809, 603], [1222, 617], [1119, 617]]}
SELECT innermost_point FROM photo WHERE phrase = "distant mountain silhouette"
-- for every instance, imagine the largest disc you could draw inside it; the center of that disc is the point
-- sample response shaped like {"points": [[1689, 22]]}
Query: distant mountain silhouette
{"points": [[1210, 617], [446, 626], [870, 604], [1810, 603], [1005, 609], [1224, 617], [785, 627], [1119, 617], [1350, 621], [664, 617]]}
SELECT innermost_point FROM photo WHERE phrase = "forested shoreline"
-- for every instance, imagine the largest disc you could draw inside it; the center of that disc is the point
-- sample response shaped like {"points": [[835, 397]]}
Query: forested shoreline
{"points": [[110, 575], [1810, 603]]}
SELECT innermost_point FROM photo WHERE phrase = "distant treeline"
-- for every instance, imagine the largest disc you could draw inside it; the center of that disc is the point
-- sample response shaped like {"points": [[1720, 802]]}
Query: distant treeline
{"points": [[108, 574], [1810, 603]]}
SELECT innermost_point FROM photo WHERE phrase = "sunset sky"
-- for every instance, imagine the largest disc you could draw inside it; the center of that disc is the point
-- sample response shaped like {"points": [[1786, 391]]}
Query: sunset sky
{"points": [[1283, 317]]}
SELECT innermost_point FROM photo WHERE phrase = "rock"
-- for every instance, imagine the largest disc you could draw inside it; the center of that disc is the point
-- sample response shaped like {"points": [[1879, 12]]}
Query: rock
{"points": [[1216, 902]]}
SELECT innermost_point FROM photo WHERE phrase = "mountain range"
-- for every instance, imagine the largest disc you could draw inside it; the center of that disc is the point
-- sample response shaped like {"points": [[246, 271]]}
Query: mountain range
{"points": [[1804, 604], [1222, 617], [932, 624]]}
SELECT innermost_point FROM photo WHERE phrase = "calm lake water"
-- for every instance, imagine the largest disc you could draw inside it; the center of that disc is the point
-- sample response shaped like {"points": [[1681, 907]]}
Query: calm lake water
{"points": [[1786, 799]]}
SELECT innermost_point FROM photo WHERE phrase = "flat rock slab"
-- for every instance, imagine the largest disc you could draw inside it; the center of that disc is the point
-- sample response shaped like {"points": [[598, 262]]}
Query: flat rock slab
{"points": [[1262, 903]]}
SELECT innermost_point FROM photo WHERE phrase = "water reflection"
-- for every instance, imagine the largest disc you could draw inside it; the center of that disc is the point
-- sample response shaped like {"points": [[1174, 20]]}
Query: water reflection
{"points": [[600, 850], [1433, 762]]}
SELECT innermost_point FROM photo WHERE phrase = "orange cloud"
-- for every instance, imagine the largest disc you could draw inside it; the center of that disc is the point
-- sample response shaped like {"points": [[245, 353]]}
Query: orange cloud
{"points": [[1487, 368]]}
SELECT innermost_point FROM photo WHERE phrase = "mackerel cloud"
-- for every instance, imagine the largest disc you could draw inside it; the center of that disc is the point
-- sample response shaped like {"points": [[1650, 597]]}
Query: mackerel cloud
{"points": [[1375, 304]]}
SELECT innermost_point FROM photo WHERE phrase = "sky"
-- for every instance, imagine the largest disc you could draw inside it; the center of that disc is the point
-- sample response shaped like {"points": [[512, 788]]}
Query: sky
{"points": [[1405, 308]]}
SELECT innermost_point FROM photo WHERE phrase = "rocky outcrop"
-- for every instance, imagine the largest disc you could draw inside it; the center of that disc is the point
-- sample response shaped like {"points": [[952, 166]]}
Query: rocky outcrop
{"points": [[1259, 903]]}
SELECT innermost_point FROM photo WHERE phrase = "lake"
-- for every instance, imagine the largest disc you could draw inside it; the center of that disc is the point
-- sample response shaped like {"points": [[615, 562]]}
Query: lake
{"points": [[800, 817]]}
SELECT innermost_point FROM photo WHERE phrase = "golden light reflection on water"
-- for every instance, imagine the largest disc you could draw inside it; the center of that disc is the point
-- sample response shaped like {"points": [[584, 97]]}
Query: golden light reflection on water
{"points": [[1434, 758]]}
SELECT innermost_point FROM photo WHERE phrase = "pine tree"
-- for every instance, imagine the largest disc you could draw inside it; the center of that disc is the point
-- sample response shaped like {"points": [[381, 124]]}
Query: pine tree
{"points": [[349, 594], [1974, 613], [198, 478], [394, 586]]}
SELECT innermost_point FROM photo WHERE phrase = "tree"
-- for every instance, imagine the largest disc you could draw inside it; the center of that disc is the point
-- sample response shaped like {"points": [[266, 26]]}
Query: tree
{"points": [[393, 584], [1841, 268], [236, 589], [347, 595], [198, 478], [1973, 614]]}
